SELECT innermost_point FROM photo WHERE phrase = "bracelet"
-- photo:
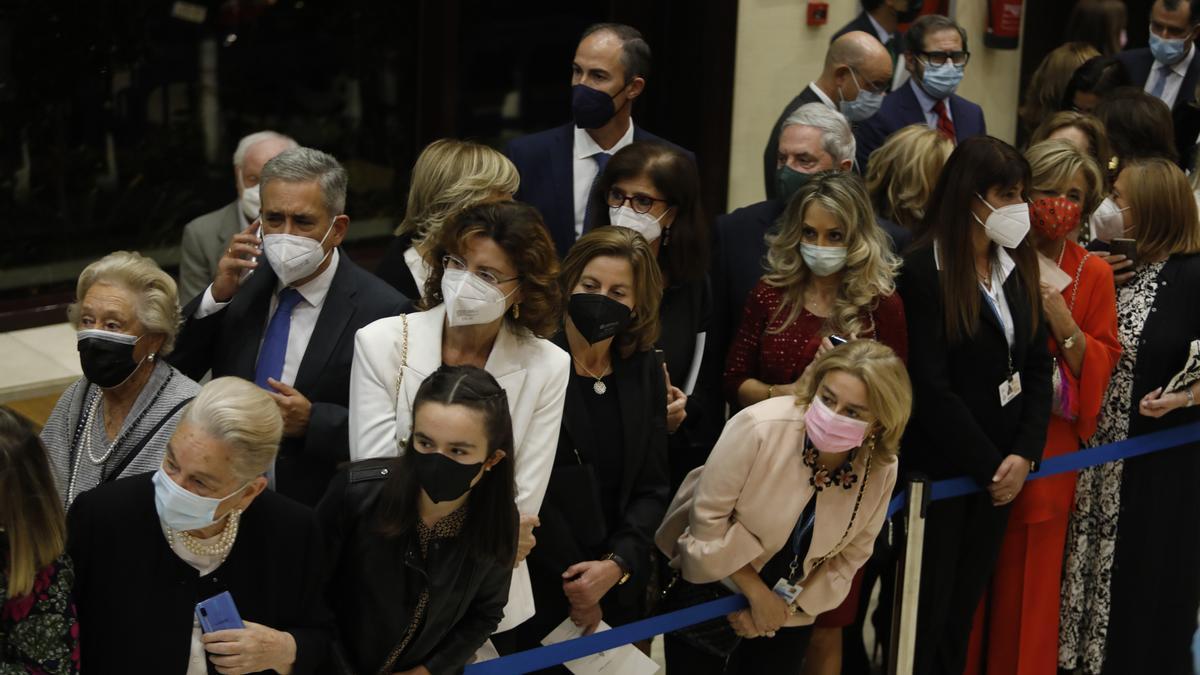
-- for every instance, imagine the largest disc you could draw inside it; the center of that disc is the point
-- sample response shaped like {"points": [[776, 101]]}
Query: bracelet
{"points": [[771, 391], [1190, 397]]}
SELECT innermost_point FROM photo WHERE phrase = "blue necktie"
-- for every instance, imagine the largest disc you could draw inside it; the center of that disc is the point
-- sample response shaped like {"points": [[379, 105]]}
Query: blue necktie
{"points": [[601, 162], [275, 342], [1163, 72]]}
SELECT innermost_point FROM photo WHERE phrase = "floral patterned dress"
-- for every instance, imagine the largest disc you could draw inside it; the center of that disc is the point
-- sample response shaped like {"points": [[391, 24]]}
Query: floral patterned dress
{"points": [[39, 634], [1092, 537]]}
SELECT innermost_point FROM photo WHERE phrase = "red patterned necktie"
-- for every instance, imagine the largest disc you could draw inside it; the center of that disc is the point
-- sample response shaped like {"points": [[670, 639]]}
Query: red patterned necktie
{"points": [[945, 124]]}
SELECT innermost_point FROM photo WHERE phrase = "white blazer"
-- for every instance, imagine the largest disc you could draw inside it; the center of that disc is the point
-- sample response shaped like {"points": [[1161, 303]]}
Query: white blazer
{"points": [[533, 372]]}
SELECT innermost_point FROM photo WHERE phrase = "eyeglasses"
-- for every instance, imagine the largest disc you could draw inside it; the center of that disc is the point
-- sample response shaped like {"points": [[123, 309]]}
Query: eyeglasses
{"points": [[942, 58], [453, 262], [640, 203], [869, 86]]}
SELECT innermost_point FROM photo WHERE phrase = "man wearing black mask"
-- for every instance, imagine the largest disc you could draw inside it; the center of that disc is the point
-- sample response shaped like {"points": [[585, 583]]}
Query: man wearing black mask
{"points": [[559, 166], [882, 18]]}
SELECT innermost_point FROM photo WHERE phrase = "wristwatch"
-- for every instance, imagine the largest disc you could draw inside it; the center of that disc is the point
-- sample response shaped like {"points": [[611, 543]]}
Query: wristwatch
{"points": [[625, 571]]}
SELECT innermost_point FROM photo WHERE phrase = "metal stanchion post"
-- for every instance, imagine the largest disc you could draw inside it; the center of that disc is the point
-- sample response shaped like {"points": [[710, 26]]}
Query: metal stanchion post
{"points": [[908, 576]]}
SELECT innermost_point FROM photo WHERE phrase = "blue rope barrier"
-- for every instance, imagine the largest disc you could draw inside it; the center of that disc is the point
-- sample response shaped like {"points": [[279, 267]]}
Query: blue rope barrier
{"points": [[544, 657]]}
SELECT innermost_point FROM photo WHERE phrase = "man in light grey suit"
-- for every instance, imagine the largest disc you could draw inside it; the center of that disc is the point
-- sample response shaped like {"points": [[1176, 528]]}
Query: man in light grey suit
{"points": [[205, 238]]}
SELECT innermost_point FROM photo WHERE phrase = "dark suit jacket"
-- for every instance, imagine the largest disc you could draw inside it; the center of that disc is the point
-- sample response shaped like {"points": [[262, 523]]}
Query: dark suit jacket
{"points": [[771, 152], [958, 425], [227, 343], [1138, 63], [545, 162], [394, 269], [902, 108], [129, 582]]}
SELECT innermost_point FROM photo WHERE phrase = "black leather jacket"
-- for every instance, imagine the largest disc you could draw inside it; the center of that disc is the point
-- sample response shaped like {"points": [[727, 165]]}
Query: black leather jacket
{"points": [[370, 592]]}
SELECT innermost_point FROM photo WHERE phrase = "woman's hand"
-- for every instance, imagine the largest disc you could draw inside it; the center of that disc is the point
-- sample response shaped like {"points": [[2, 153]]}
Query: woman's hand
{"points": [[742, 623], [1157, 404], [525, 539], [769, 610], [586, 582], [826, 345], [1118, 263], [250, 650], [676, 404], [1058, 315], [587, 618], [1009, 480]]}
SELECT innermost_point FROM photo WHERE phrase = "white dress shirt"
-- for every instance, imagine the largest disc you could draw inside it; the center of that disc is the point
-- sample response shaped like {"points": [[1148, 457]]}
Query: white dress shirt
{"points": [[304, 315], [995, 294], [417, 267], [899, 72], [585, 169], [822, 95], [927, 102], [1175, 75]]}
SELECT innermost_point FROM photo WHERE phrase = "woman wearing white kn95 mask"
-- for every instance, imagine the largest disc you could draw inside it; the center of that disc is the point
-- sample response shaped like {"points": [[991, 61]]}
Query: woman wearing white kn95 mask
{"points": [[491, 297]]}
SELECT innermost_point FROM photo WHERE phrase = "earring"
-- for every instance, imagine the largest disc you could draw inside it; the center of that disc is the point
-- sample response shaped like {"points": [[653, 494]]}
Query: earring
{"points": [[150, 357], [516, 310]]}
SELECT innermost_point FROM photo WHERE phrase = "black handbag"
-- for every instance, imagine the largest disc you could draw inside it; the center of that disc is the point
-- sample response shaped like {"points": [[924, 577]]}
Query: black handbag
{"points": [[715, 636]]}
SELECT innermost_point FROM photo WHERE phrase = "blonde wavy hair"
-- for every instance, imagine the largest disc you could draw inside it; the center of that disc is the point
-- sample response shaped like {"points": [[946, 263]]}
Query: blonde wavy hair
{"points": [[1055, 162], [889, 391], [451, 175], [870, 271], [156, 297], [902, 172]]}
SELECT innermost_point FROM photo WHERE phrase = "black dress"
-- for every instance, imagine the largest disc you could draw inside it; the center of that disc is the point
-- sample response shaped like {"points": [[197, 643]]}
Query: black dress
{"points": [[393, 268], [618, 442]]}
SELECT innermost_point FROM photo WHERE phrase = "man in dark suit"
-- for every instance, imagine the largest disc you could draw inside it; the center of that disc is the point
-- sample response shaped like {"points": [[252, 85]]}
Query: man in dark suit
{"points": [[882, 19], [289, 325], [1168, 69], [559, 166], [857, 74], [815, 138], [936, 58]]}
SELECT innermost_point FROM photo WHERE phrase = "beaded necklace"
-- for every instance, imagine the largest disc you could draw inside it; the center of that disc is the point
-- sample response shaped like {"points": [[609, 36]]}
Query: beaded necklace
{"points": [[220, 549], [821, 478]]}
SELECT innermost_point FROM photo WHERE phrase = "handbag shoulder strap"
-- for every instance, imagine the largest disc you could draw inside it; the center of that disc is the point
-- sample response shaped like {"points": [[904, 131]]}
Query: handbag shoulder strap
{"points": [[400, 371], [137, 449]]}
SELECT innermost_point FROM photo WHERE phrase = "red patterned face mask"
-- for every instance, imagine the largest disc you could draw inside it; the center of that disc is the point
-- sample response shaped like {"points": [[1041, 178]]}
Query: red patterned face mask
{"points": [[1054, 217]]}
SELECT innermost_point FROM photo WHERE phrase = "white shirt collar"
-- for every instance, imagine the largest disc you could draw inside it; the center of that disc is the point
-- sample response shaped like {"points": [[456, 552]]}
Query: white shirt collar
{"points": [[883, 35], [822, 95], [1181, 68], [315, 289], [1007, 264], [586, 146]]}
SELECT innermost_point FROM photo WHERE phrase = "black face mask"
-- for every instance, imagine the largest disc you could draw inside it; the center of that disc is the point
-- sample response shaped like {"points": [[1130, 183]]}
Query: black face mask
{"points": [[442, 478], [591, 108], [598, 317], [106, 357]]}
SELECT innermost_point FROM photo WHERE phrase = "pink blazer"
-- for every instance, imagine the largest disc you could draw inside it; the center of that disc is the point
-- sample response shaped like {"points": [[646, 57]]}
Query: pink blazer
{"points": [[741, 507]]}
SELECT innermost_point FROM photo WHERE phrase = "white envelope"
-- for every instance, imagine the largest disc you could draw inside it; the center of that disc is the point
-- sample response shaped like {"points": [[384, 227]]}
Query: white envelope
{"points": [[1052, 275], [625, 660]]}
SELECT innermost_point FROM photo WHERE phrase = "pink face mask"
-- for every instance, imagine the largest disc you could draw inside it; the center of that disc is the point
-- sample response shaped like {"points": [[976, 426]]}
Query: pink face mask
{"points": [[831, 432]]}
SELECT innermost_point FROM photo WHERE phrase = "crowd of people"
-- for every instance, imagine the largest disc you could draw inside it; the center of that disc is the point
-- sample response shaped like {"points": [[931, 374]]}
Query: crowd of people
{"points": [[568, 394]]}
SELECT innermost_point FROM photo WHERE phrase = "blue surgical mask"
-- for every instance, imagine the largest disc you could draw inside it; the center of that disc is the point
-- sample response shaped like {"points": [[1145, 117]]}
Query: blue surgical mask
{"points": [[182, 510], [1167, 51], [941, 81], [863, 107]]}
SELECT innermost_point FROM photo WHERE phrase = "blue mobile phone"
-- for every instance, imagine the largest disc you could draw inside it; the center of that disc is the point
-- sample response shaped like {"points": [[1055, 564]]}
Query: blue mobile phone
{"points": [[218, 613]]}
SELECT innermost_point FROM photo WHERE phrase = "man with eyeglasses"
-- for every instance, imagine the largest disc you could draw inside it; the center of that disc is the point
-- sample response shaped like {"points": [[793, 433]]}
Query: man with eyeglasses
{"points": [[559, 166], [856, 76], [1168, 69], [882, 18], [936, 59]]}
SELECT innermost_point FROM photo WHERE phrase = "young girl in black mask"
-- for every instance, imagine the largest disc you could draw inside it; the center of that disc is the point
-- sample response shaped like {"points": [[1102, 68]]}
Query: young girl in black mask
{"points": [[422, 546], [609, 487]]}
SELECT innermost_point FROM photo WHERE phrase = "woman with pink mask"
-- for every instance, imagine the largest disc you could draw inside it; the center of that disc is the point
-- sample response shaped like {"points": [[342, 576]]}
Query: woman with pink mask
{"points": [[785, 511]]}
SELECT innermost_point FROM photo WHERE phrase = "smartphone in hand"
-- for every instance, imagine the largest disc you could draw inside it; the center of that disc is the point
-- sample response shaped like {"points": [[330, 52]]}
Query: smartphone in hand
{"points": [[218, 613], [1125, 247], [837, 341]]}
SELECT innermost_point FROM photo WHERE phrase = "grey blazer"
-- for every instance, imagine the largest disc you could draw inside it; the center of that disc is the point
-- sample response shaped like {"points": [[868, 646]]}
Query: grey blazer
{"points": [[204, 240]]}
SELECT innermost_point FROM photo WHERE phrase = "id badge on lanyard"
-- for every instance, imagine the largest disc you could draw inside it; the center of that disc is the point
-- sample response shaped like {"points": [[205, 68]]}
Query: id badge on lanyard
{"points": [[789, 587], [1010, 388]]}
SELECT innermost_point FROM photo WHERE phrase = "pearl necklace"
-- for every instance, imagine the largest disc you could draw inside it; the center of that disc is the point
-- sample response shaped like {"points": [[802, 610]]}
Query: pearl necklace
{"points": [[218, 550]]}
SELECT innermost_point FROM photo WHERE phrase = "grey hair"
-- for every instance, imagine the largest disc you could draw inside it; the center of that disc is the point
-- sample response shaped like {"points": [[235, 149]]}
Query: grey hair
{"points": [[635, 51], [247, 142], [241, 415], [304, 165], [156, 297], [836, 137]]}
